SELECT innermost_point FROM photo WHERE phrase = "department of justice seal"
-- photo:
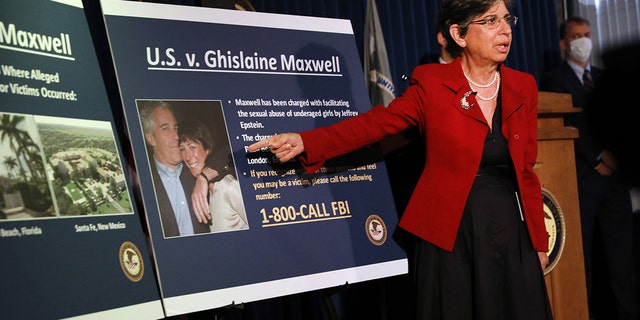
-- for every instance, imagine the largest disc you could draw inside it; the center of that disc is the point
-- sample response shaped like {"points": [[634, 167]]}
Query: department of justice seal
{"points": [[131, 261], [376, 230], [554, 222]]}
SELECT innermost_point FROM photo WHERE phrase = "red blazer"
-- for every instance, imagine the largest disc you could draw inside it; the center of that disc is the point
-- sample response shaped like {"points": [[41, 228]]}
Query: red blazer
{"points": [[454, 139]]}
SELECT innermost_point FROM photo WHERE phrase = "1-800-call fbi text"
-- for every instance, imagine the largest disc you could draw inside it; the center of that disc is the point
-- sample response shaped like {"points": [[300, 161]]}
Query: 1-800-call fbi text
{"points": [[308, 212]]}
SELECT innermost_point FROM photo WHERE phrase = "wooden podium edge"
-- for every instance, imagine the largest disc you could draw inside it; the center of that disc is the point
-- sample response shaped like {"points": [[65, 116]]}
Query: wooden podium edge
{"points": [[556, 170], [553, 103]]}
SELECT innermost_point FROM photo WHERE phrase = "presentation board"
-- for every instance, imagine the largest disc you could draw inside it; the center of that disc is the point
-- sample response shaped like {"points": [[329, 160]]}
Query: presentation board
{"points": [[248, 75], [71, 237]]}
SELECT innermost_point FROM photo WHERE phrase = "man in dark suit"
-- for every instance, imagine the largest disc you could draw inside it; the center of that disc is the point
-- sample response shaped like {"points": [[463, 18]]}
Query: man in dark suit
{"points": [[605, 205], [442, 57], [612, 118], [173, 183]]}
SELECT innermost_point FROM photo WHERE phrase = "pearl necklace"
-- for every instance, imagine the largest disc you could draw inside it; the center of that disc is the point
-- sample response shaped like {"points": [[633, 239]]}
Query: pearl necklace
{"points": [[493, 96], [495, 77]]}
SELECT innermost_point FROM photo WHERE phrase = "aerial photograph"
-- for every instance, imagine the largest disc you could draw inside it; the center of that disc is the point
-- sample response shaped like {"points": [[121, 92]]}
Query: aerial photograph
{"points": [[59, 167]]}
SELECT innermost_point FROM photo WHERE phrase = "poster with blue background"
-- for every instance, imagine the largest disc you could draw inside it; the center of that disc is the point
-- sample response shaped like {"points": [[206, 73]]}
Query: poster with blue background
{"points": [[71, 237], [243, 76]]}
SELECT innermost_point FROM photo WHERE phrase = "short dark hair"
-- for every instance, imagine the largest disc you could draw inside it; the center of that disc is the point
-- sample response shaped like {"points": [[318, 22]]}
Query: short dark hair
{"points": [[461, 13], [195, 130], [565, 25]]}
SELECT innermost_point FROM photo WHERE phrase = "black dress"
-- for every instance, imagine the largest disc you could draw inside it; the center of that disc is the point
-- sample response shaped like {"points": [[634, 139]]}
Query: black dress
{"points": [[493, 272]]}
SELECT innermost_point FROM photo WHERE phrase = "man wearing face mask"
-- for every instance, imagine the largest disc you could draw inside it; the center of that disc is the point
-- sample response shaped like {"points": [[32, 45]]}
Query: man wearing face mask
{"points": [[605, 205]]}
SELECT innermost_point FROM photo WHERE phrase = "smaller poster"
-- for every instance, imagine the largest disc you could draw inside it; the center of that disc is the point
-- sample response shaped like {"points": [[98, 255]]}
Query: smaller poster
{"points": [[70, 231]]}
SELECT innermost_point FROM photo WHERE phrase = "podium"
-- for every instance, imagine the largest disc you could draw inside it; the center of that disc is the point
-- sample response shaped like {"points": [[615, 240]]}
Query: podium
{"points": [[555, 167]]}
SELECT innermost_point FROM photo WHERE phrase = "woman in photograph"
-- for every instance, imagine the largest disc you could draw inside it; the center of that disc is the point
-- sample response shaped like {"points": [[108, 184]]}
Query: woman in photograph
{"points": [[225, 199]]}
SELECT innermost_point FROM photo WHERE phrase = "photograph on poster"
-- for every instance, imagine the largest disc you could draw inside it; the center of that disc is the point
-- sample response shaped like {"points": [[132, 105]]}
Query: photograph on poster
{"points": [[74, 160], [186, 141], [25, 190]]}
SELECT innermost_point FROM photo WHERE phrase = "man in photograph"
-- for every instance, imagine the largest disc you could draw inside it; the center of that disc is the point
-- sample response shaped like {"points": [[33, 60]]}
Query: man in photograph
{"points": [[173, 183]]}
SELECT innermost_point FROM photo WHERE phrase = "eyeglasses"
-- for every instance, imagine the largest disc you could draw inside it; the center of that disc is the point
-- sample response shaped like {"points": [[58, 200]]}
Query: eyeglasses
{"points": [[493, 22]]}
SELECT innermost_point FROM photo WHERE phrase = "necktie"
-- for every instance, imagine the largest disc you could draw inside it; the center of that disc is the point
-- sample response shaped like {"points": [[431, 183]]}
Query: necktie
{"points": [[587, 81]]}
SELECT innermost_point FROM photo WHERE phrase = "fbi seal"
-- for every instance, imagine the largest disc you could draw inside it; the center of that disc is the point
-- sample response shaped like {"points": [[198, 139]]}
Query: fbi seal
{"points": [[131, 261], [376, 230], [554, 222]]}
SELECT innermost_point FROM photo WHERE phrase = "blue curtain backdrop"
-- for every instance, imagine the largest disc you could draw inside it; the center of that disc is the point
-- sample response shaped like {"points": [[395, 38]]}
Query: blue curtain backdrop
{"points": [[409, 28]]}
